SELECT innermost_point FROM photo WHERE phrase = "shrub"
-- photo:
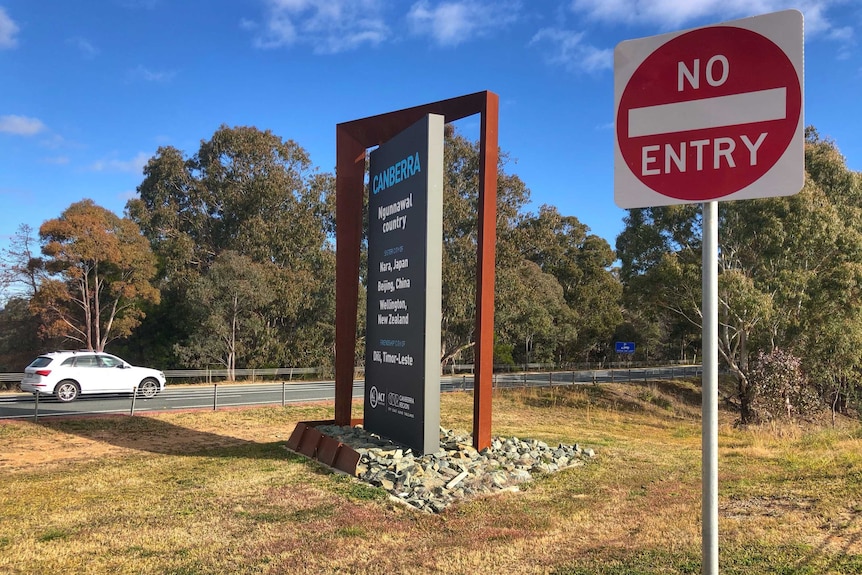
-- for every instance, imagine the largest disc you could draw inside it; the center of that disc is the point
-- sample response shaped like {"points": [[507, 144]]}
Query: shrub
{"points": [[781, 388]]}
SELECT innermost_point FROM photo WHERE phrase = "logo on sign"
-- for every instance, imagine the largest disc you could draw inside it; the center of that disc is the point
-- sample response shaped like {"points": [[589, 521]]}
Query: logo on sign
{"points": [[375, 397]]}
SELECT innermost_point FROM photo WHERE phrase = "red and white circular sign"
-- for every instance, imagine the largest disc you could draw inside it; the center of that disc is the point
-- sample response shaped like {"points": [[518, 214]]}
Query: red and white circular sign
{"points": [[710, 113]]}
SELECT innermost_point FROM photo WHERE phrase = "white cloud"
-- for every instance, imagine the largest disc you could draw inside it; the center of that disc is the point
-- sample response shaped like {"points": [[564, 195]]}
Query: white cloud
{"points": [[675, 14], [21, 125], [570, 51], [844, 34], [57, 160], [144, 74], [450, 23], [134, 165], [665, 15], [8, 30], [55, 142], [128, 195], [87, 49], [139, 4], [328, 26]]}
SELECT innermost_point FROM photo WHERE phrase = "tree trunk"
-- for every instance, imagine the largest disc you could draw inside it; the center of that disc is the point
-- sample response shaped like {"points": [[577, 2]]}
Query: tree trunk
{"points": [[454, 353]]}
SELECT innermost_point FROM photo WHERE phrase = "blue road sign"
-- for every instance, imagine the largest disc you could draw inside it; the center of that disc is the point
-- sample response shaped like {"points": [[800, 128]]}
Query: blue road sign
{"points": [[625, 347]]}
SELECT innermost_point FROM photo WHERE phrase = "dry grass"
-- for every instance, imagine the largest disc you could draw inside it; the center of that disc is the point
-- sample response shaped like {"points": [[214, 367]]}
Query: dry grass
{"points": [[215, 493]]}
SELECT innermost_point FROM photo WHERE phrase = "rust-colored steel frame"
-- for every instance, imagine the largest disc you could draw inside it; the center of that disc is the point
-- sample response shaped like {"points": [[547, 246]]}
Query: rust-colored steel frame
{"points": [[352, 141]]}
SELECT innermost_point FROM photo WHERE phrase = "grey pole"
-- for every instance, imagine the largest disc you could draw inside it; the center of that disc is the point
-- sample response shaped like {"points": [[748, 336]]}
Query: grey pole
{"points": [[36, 411], [134, 395], [709, 433], [215, 396]]}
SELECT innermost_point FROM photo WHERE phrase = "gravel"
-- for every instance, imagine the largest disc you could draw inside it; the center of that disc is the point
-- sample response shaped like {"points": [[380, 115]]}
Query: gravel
{"points": [[457, 471]]}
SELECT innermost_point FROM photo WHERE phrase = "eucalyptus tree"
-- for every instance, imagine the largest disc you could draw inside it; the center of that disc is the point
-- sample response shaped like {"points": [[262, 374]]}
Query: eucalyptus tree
{"points": [[581, 263], [250, 192], [460, 241], [19, 336], [659, 253], [542, 320], [21, 267], [99, 270], [229, 303], [832, 335], [789, 267]]}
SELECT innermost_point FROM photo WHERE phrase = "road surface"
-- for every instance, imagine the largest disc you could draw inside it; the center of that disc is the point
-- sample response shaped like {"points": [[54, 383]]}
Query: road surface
{"points": [[23, 405]]}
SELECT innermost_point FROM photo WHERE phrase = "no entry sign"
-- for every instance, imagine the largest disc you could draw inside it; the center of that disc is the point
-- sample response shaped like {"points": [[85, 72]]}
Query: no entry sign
{"points": [[710, 113]]}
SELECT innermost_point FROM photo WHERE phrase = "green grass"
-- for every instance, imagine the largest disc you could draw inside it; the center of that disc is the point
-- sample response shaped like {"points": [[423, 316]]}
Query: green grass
{"points": [[211, 493]]}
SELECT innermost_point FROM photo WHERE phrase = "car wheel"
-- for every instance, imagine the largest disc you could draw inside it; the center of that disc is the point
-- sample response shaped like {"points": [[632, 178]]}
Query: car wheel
{"points": [[148, 388], [67, 391]]}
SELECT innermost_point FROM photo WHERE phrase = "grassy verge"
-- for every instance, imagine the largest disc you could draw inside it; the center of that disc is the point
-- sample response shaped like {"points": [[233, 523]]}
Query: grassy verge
{"points": [[213, 493]]}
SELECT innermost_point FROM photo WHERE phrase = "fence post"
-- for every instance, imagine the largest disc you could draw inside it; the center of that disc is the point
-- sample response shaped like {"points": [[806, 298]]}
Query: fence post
{"points": [[283, 390], [612, 375], [551, 378], [215, 396], [36, 411], [134, 396]]}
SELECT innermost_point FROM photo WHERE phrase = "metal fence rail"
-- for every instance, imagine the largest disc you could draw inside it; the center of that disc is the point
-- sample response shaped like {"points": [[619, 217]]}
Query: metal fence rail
{"points": [[210, 374], [245, 374], [274, 373]]}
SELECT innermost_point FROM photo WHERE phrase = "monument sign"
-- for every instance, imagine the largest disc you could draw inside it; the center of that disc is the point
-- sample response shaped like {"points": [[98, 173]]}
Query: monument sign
{"points": [[405, 243]]}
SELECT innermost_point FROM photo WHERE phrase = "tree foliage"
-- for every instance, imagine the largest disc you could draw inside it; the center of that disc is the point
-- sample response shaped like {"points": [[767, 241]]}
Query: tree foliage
{"points": [[19, 329], [460, 239], [99, 269], [250, 193], [21, 267], [580, 262], [789, 268], [229, 302]]}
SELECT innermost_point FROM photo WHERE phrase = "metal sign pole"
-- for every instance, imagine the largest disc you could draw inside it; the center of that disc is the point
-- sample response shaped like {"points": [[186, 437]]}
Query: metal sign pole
{"points": [[709, 437]]}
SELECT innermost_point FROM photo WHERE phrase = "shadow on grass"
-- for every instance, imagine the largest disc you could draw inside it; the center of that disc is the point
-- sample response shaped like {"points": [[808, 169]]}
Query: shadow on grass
{"points": [[682, 392], [153, 435], [844, 561], [658, 397]]}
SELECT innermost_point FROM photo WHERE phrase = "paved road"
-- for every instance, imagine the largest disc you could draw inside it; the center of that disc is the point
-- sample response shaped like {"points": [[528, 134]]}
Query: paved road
{"points": [[22, 405]]}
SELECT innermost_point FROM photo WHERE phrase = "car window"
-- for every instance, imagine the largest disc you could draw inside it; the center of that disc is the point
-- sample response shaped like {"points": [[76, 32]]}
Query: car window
{"points": [[87, 361], [41, 361], [69, 361], [108, 361]]}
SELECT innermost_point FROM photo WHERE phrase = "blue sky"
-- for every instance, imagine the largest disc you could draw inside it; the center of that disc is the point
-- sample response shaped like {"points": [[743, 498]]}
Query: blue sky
{"points": [[89, 90]]}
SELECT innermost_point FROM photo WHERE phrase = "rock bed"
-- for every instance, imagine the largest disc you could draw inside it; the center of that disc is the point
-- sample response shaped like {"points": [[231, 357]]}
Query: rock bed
{"points": [[458, 471]]}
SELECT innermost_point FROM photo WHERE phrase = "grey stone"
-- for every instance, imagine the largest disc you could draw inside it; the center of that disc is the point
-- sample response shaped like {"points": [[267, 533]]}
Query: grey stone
{"points": [[457, 471]]}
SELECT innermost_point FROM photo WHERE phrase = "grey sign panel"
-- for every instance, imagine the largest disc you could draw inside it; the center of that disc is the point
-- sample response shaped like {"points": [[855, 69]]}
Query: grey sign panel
{"points": [[405, 237]]}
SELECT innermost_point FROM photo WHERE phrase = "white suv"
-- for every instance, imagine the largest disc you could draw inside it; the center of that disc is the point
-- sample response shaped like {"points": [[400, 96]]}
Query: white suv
{"points": [[68, 374]]}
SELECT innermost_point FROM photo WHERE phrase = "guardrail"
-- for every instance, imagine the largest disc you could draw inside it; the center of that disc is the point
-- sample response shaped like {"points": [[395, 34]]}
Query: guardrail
{"points": [[248, 374], [260, 374], [211, 374]]}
